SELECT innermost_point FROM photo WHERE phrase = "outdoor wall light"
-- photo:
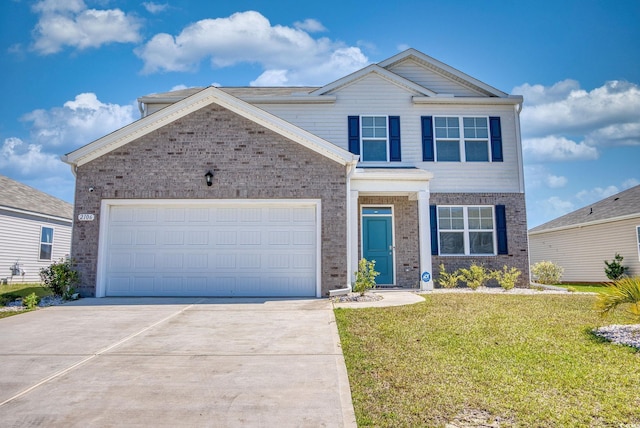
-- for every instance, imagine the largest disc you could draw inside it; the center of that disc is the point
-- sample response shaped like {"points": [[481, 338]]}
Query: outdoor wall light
{"points": [[209, 177]]}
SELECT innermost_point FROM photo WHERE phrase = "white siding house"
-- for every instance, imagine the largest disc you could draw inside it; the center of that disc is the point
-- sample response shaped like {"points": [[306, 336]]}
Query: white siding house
{"points": [[582, 240], [408, 162], [35, 230]]}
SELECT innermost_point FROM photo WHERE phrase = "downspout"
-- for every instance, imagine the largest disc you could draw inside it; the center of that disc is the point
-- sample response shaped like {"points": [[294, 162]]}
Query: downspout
{"points": [[351, 168]]}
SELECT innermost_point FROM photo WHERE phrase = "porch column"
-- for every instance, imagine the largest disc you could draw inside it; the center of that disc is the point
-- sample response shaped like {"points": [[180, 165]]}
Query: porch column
{"points": [[424, 234], [353, 234]]}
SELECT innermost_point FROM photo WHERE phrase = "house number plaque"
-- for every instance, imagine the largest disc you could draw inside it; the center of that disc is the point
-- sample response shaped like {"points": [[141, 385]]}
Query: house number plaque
{"points": [[86, 217]]}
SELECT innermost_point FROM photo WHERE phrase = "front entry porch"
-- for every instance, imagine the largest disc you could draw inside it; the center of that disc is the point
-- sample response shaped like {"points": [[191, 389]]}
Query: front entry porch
{"points": [[389, 223]]}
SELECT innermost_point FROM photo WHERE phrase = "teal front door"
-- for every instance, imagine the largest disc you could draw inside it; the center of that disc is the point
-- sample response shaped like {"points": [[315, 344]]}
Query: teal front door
{"points": [[377, 241]]}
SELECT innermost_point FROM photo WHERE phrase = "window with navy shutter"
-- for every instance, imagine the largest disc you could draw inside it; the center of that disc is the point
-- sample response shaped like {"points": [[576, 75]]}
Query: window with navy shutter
{"points": [[354, 134], [428, 154], [395, 154], [496, 139], [434, 229]]}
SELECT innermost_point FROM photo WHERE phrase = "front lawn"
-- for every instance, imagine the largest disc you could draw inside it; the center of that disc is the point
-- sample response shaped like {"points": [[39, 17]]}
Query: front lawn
{"points": [[12, 291], [520, 360], [592, 288]]}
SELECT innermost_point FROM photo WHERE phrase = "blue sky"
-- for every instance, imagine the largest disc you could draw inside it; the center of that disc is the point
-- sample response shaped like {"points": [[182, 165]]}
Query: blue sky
{"points": [[72, 70]]}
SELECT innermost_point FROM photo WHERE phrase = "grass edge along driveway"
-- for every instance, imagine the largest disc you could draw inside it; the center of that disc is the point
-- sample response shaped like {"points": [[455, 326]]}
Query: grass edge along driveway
{"points": [[523, 360]]}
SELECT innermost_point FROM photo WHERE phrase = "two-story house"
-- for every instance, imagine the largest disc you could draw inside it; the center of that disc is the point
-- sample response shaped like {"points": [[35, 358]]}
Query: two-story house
{"points": [[257, 191]]}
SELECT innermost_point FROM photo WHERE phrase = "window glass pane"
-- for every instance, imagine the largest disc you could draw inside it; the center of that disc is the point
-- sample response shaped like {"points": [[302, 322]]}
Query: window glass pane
{"points": [[367, 132], [476, 151], [451, 243], [376, 210], [448, 151], [441, 132], [374, 150], [481, 242], [47, 235], [45, 251], [367, 121], [380, 121], [441, 122], [380, 132]]}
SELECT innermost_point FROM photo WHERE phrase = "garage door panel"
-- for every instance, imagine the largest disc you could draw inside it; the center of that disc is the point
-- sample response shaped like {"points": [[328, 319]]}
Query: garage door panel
{"points": [[212, 250]]}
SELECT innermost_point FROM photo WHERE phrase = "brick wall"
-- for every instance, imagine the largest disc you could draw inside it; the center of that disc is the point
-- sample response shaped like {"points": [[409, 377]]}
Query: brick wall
{"points": [[248, 162], [517, 243]]}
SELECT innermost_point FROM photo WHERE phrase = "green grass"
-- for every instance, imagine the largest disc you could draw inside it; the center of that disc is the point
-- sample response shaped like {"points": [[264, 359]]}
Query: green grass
{"points": [[18, 289], [528, 360], [592, 288]]}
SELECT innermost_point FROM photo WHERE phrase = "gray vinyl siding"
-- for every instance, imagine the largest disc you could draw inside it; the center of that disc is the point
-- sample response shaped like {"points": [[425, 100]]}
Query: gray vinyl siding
{"points": [[437, 83], [581, 251], [20, 242], [374, 95]]}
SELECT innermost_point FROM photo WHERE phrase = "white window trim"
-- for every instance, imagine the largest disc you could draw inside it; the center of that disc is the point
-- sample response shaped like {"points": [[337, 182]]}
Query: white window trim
{"points": [[462, 139], [386, 139], [393, 231], [466, 230], [638, 240], [53, 237]]}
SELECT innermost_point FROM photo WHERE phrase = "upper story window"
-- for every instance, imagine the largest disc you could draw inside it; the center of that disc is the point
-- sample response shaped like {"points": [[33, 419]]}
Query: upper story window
{"points": [[374, 138], [461, 139], [470, 145], [46, 243], [466, 230]]}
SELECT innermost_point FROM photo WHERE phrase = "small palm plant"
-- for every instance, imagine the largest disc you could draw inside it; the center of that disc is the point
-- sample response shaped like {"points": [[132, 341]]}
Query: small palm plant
{"points": [[624, 292]]}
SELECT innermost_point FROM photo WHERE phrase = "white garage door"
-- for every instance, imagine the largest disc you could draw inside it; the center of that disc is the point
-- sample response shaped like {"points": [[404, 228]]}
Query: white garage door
{"points": [[217, 248]]}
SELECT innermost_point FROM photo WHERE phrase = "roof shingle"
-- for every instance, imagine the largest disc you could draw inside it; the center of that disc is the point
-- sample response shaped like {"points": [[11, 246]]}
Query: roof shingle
{"points": [[20, 196]]}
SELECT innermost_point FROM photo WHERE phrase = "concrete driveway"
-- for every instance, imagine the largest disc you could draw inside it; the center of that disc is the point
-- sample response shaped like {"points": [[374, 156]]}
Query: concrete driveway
{"points": [[174, 362]]}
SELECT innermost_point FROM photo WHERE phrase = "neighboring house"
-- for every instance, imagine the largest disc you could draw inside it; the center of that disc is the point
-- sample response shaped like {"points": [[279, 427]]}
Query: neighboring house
{"points": [[35, 230], [582, 240], [407, 162]]}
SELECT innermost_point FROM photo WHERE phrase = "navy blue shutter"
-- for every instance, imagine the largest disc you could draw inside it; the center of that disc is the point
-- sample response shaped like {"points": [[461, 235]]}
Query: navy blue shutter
{"points": [[394, 139], [428, 154], [496, 139], [434, 229], [501, 229], [354, 134]]}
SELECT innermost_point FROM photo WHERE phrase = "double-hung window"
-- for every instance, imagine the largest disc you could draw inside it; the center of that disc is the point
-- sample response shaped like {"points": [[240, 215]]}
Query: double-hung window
{"points": [[466, 230], [46, 243], [470, 145], [374, 139]]}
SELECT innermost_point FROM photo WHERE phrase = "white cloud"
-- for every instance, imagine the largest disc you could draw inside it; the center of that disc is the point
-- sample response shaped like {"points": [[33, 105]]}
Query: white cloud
{"points": [[538, 175], [77, 122], [597, 193], [555, 207], [554, 148], [28, 159], [155, 7], [629, 183], [310, 26], [70, 23], [605, 116], [555, 181], [287, 54]]}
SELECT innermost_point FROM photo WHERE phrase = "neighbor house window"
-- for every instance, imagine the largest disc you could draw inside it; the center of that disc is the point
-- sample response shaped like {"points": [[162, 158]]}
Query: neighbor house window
{"points": [[46, 243], [374, 138], [470, 145], [466, 230]]}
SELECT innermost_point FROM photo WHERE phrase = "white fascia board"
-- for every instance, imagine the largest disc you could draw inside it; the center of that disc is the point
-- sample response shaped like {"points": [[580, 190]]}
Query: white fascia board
{"points": [[443, 69], [292, 99], [193, 103], [384, 73], [586, 224], [36, 214], [510, 100]]}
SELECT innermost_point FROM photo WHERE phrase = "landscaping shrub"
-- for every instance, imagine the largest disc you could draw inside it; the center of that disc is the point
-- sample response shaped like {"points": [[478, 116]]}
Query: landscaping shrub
{"points": [[625, 292], [614, 269], [446, 279], [545, 272], [476, 276], [506, 277], [365, 276], [60, 277], [30, 301]]}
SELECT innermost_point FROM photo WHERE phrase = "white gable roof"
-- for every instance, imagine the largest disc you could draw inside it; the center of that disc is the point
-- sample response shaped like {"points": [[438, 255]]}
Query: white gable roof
{"points": [[203, 98], [382, 72], [444, 70]]}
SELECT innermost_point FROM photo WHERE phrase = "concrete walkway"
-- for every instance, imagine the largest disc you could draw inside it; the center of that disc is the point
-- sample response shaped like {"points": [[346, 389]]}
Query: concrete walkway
{"points": [[391, 297], [174, 362]]}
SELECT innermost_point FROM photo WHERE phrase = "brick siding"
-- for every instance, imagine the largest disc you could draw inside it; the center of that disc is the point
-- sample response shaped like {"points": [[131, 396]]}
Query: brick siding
{"points": [[248, 162]]}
